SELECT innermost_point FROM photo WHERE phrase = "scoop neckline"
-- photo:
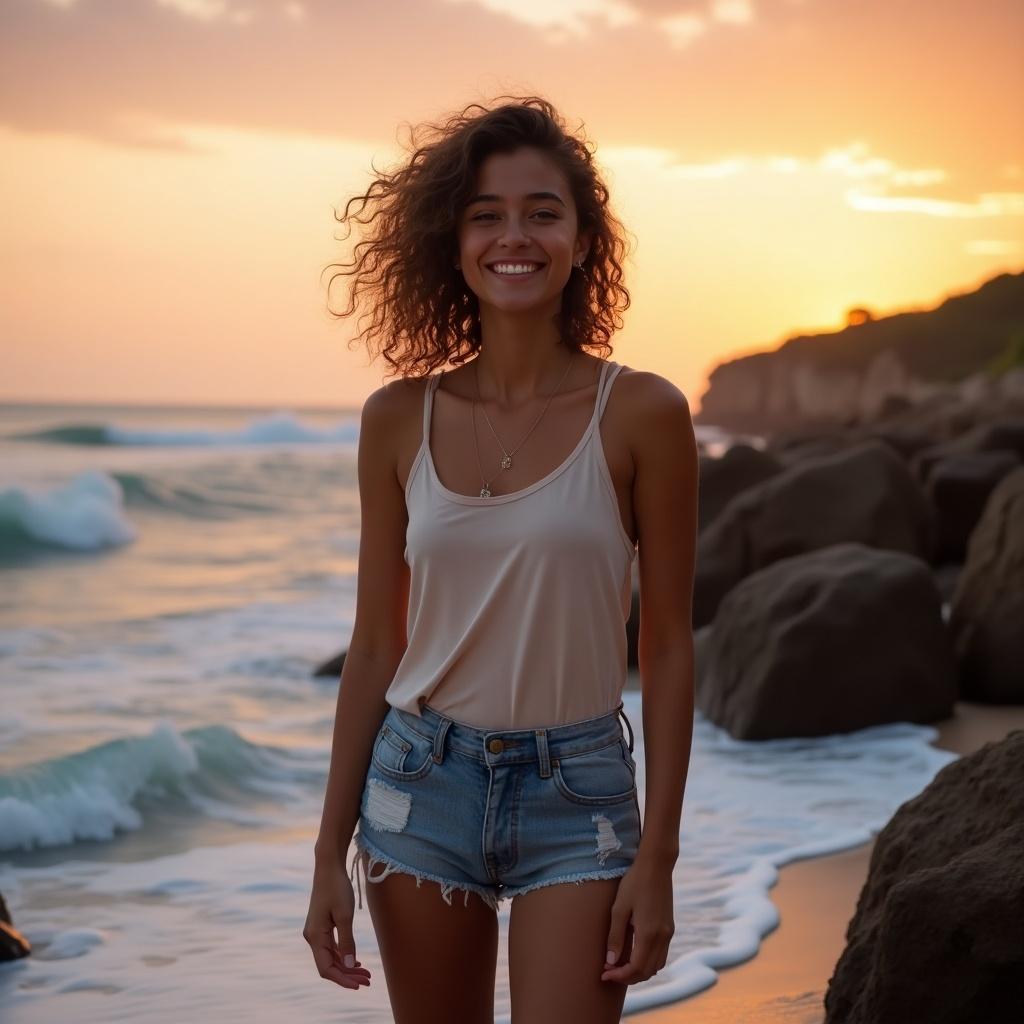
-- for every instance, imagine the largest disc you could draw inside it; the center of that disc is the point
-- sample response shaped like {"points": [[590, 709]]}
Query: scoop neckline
{"points": [[500, 499]]}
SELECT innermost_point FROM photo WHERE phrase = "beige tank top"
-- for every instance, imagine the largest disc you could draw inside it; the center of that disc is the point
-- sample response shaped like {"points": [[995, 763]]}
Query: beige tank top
{"points": [[518, 602]]}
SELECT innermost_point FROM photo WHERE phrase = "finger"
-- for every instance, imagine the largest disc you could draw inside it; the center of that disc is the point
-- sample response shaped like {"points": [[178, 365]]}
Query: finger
{"points": [[344, 979], [356, 969], [617, 938], [328, 966], [336, 971], [630, 970]]}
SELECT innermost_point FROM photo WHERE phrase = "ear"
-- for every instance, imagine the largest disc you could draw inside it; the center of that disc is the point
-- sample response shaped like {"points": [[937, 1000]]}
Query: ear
{"points": [[582, 248]]}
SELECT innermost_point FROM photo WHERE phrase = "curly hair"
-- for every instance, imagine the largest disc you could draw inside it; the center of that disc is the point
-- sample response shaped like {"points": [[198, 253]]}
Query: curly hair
{"points": [[423, 313]]}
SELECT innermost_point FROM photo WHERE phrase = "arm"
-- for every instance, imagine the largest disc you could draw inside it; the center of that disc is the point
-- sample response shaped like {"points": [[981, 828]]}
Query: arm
{"points": [[665, 503], [665, 484], [378, 634]]}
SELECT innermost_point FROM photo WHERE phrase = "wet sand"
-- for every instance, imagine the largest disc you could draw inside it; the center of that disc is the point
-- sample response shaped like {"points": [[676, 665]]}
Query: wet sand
{"points": [[785, 982]]}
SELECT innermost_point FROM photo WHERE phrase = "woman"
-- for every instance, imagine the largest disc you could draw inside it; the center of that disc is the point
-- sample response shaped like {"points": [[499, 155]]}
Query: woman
{"points": [[504, 502]]}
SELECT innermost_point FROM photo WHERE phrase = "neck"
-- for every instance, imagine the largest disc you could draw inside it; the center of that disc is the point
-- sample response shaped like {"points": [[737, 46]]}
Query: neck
{"points": [[509, 375]]}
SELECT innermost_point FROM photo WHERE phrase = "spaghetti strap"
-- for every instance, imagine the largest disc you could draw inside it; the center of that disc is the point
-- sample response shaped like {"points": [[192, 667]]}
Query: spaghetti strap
{"points": [[428, 402], [609, 372]]}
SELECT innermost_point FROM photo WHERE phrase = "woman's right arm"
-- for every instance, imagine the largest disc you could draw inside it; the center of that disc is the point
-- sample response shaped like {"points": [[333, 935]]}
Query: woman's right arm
{"points": [[376, 647], [378, 634]]}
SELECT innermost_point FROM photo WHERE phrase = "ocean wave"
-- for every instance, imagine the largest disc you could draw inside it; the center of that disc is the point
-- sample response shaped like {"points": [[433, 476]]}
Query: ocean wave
{"points": [[84, 514], [189, 498], [98, 792], [274, 428]]}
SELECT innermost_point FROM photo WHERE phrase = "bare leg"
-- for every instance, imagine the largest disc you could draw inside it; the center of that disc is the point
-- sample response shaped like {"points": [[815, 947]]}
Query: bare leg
{"points": [[557, 945], [439, 959]]}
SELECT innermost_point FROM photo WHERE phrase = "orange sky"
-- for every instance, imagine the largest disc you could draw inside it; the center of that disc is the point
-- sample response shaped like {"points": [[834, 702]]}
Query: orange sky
{"points": [[169, 171]]}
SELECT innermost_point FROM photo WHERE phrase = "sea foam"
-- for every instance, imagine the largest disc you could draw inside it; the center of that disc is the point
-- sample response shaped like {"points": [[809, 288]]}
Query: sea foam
{"points": [[85, 513]]}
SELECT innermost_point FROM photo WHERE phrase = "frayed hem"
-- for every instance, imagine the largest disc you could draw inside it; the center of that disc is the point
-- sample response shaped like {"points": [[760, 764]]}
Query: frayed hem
{"points": [[577, 879], [391, 866]]}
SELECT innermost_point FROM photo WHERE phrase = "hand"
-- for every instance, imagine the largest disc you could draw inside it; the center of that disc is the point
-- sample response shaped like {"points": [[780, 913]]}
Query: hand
{"points": [[644, 900], [331, 905]]}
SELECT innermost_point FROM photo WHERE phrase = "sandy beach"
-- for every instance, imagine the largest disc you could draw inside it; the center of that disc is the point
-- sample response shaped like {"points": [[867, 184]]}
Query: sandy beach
{"points": [[785, 982]]}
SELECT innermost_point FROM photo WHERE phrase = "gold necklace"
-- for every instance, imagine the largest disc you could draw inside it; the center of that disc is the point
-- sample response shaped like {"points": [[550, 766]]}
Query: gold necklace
{"points": [[506, 459]]}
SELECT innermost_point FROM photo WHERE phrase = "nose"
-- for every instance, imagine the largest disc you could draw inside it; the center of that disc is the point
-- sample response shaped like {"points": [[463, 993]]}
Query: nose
{"points": [[513, 233]]}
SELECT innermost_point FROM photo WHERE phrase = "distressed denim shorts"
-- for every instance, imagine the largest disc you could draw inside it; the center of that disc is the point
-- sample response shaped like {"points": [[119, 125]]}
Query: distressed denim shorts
{"points": [[498, 812]]}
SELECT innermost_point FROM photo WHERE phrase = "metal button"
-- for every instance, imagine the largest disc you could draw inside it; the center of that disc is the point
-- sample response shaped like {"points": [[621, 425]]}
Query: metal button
{"points": [[496, 746]]}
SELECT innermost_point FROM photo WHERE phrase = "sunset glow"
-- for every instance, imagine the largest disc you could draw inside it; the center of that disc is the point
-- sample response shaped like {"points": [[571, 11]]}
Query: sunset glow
{"points": [[171, 170]]}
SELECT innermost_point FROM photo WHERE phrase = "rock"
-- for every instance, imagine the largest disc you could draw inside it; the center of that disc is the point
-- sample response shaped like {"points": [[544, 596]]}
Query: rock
{"points": [[946, 577], [13, 945], [906, 441], [813, 445], [958, 487], [987, 611], [722, 479], [866, 495], [938, 933], [828, 642], [988, 436], [701, 654], [332, 666], [633, 631]]}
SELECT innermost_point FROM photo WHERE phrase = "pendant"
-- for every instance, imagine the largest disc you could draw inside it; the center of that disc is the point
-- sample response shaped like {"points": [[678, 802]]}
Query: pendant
{"points": [[485, 492], [506, 461]]}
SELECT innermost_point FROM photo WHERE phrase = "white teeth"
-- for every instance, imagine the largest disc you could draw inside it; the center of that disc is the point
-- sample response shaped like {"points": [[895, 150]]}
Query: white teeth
{"points": [[514, 268]]}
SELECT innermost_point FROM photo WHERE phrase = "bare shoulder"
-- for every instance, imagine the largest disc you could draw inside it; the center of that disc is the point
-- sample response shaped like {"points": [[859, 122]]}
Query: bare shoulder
{"points": [[653, 411], [391, 427], [393, 408]]}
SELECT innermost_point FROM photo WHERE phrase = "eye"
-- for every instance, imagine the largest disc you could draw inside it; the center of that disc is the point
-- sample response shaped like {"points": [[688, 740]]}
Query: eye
{"points": [[482, 216]]}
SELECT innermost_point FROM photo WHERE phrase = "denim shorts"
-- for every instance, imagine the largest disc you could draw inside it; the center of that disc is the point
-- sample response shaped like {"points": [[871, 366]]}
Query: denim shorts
{"points": [[498, 812]]}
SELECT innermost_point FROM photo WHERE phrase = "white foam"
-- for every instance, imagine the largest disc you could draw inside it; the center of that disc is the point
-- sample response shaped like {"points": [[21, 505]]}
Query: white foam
{"points": [[750, 807], [276, 428], [91, 795], [84, 513]]}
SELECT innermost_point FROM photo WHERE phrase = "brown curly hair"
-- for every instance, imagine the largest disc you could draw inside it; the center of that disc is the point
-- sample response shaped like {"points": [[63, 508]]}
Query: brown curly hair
{"points": [[423, 314]]}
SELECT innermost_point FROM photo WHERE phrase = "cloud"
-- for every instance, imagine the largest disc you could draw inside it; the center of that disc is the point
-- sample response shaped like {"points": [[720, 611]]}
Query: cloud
{"points": [[988, 204], [570, 18], [210, 10], [994, 247]]}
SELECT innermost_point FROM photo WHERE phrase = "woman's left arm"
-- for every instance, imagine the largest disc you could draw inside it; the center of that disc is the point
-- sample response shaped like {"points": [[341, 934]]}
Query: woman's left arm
{"points": [[665, 482]]}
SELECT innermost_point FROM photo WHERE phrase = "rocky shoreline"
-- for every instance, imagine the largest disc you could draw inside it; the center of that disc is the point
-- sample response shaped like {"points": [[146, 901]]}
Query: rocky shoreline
{"points": [[870, 573]]}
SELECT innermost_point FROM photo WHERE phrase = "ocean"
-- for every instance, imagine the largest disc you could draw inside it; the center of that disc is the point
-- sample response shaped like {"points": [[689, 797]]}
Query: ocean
{"points": [[169, 579]]}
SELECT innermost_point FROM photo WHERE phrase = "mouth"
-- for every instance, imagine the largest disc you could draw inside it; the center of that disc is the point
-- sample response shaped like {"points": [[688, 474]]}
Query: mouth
{"points": [[513, 271]]}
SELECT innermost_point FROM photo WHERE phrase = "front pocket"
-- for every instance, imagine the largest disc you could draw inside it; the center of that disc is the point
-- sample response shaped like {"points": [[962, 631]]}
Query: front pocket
{"points": [[403, 756], [597, 777]]}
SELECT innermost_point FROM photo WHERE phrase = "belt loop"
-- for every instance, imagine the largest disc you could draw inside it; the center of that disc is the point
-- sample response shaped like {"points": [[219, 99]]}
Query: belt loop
{"points": [[622, 711], [442, 731], [542, 753]]}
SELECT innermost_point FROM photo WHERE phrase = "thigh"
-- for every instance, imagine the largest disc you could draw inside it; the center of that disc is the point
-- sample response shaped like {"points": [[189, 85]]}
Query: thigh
{"points": [[556, 949], [439, 959]]}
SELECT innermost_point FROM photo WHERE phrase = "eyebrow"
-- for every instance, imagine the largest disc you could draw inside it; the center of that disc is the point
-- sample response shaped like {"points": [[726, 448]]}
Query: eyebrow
{"points": [[490, 197]]}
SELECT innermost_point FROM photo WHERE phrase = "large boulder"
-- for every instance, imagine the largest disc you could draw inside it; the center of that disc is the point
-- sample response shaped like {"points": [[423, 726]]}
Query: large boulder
{"points": [[13, 945], [958, 487], [987, 611], [865, 494], [827, 642], [938, 933], [1004, 433], [723, 478]]}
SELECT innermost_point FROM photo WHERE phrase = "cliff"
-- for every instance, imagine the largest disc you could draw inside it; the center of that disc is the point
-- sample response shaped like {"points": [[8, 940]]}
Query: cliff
{"points": [[848, 376]]}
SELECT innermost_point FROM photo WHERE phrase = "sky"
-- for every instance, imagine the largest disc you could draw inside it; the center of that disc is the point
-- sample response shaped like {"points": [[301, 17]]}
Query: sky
{"points": [[171, 171]]}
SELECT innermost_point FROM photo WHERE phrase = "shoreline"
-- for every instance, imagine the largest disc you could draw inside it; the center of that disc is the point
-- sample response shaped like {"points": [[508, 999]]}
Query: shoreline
{"points": [[785, 982]]}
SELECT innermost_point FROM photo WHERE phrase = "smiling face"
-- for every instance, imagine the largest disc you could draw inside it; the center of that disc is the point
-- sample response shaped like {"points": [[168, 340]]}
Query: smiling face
{"points": [[521, 214]]}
